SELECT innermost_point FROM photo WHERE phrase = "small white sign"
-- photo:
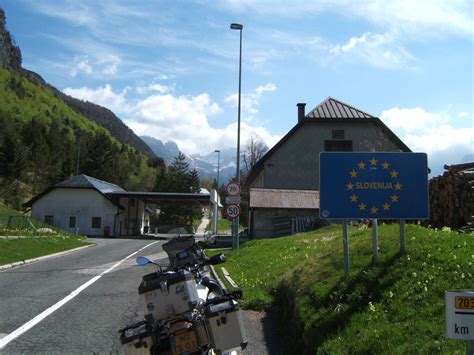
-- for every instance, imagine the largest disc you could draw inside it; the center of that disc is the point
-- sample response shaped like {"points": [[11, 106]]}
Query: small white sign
{"points": [[232, 188], [460, 314], [233, 211], [235, 200]]}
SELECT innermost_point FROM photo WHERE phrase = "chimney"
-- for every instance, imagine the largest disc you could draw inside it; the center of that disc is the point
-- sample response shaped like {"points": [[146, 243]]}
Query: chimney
{"points": [[301, 112]]}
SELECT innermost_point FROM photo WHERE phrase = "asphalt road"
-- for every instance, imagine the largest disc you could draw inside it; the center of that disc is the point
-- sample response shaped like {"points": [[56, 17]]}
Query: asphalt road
{"points": [[87, 298], [90, 321]]}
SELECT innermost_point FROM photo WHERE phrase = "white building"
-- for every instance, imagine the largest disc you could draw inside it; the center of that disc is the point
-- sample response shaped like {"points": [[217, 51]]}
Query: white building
{"points": [[93, 207]]}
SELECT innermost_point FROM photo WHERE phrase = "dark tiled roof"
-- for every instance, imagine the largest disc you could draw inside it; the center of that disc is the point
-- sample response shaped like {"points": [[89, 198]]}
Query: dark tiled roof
{"points": [[330, 110], [333, 109], [84, 181]]}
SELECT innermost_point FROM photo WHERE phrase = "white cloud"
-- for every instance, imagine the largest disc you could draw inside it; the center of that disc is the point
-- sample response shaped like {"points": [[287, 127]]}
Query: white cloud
{"points": [[109, 64], [183, 119], [379, 50], [81, 65], [251, 101], [432, 133], [162, 89], [104, 96], [103, 64], [426, 17], [410, 119]]}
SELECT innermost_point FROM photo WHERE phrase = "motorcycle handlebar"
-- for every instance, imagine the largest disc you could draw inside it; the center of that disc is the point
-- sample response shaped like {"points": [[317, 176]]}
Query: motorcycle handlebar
{"points": [[215, 260], [233, 295]]}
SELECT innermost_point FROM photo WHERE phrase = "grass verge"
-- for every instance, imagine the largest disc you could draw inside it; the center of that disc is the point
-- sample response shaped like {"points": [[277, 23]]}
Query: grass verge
{"points": [[223, 225], [36, 243], [395, 306], [13, 250]]}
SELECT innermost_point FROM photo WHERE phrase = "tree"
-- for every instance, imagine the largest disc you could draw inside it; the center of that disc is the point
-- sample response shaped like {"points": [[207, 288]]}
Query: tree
{"points": [[98, 161], [178, 178], [254, 150]]}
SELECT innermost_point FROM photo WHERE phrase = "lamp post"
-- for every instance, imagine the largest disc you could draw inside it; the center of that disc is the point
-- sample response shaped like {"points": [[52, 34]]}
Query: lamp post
{"points": [[239, 27], [216, 206]]}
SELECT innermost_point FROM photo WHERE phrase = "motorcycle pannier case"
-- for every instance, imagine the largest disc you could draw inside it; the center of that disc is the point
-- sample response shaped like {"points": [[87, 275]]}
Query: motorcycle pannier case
{"points": [[168, 295], [137, 339], [226, 328]]}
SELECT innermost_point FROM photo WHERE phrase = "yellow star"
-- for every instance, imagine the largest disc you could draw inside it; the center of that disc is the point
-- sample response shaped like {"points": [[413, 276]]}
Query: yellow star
{"points": [[354, 198], [353, 173], [386, 206], [373, 162], [350, 186], [374, 210], [394, 198], [361, 165], [385, 165], [394, 173], [398, 186], [362, 206]]}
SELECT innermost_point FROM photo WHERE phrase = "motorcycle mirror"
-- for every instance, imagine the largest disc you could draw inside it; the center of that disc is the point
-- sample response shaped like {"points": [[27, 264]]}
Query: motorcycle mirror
{"points": [[141, 260]]}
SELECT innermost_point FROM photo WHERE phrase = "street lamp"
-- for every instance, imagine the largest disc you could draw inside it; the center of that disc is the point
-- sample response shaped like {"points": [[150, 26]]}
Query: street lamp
{"points": [[236, 26], [216, 206]]}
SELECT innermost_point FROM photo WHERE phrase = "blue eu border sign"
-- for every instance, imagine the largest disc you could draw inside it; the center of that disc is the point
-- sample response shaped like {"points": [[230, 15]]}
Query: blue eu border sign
{"points": [[373, 185]]}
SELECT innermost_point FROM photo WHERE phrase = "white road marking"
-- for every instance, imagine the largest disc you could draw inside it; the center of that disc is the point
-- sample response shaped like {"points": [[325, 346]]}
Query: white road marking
{"points": [[96, 270], [30, 324]]}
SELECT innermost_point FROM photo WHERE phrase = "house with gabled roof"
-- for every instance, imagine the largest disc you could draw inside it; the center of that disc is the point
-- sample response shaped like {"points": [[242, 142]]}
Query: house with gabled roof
{"points": [[284, 184], [93, 207]]}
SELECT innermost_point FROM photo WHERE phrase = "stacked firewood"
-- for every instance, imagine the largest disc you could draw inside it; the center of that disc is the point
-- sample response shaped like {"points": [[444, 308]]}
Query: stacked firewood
{"points": [[452, 197]]}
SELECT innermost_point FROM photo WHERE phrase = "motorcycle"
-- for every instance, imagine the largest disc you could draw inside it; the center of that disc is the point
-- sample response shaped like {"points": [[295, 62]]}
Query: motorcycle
{"points": [[186, 311]]}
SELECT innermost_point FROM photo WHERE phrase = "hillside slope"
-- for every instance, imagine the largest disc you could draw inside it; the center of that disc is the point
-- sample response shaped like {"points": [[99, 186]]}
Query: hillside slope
{"points": [[10, 58], [396, 306]]}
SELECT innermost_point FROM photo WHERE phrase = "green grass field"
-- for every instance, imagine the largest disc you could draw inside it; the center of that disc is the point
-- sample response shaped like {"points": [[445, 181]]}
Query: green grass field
{"points": [[222, 225], [13, 250], [396, 306], [38, 243]]}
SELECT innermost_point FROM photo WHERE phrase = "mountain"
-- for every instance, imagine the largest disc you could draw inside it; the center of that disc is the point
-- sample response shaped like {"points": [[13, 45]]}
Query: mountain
{"points": [[108, 120], [44, 139], [10, 55], [167, 151], [10, 58], [206, 165]]}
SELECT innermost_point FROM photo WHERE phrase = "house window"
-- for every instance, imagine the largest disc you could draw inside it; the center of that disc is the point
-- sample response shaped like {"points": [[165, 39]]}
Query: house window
{"points": [[49, 220], [337, 134], [96, 222], [338, 146], [72, 222]]}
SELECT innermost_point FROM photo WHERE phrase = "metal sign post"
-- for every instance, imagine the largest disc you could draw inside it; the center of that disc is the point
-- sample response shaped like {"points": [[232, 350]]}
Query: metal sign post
{"points": [[345, 246], [402, 237], [233, 200], [375, 241]]}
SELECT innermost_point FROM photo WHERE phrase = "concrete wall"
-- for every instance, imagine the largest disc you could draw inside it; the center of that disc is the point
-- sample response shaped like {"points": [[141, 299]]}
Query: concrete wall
{"points": [[81, 203], [295, 165], [133, 220]]}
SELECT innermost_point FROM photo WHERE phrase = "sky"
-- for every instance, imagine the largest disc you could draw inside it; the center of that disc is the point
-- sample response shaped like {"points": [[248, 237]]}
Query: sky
{"points": [[169, 69]]}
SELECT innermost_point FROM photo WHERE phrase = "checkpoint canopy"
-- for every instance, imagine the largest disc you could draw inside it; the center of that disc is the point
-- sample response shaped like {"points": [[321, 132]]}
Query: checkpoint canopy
{"points": [[373, 185]]}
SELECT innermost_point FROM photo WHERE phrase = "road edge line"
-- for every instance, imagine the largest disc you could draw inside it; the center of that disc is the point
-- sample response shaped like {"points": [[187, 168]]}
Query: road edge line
{"points": [[43, 257]]}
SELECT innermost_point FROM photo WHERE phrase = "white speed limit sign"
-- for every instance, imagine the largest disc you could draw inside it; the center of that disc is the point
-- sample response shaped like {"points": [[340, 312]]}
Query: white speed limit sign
{"points": [[233, 211], [232, 188]]}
